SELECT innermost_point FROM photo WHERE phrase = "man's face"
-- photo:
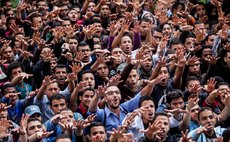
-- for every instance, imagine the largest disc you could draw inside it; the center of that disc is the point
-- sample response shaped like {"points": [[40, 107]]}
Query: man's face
{"points": [[58, 105], [207, 117], [157, 36], [126, 44], [227, 59], [73, 15], [15, 72], [37, 22], [193, 83], [132, 79], [98, 131], [164, 72], [164, 127], [89, 79], [177, 103], [200, 10], [223, 92], [117, 53], [98, 29], [8, 54], [189, 43], [13, 97], [210, 40], [53, 64], [34, 127], [3, 112], [86, 51], [91, 7], [150, 107], [42, 5], [60, 75], [52, 89], [104, 11], [194, 68], [102, 71], [66, 23], [144, 26], [73, 43], [86, 98], [10, 13], [206, 53], [167, 30], [68, 117], [113, 97], [194, 113], [200, 27]]}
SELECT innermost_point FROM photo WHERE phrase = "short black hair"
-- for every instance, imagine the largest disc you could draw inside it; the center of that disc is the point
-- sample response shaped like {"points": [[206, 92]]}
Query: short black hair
{"points": [[159, 114], [202, 110], [192, 78], [62, 136], [145, 98], [5, 86], [87, 89], [223, 83], [174, 94], [95, 124], [33, 119], [87, 71], [14, 65], [61, 66], [57, 97]]}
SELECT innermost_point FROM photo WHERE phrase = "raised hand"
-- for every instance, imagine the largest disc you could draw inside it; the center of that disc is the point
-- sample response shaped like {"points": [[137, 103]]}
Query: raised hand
{"points": [[47, 56], [192, 102], [71, 77], [117, 134], [26, 54], [161, 62], [90, 118], [211, 83], [192, 60], [125, 26], [80, 87], [194, 88], [41, 135], [89, 31], [184, 137], [76, 67], [101, 91], [23, 123], [129, 119], [176, 111], [4, 128], [152, 130], [115, 80], [48, 80]]}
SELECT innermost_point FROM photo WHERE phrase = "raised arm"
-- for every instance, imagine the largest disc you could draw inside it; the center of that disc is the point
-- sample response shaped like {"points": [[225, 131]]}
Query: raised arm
{"points": [[73, 99], [124, 29], [95, 100]]}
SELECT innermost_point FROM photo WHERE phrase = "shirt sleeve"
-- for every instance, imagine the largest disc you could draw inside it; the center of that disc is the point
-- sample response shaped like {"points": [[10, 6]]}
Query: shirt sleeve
{"points": [[132, 104]]}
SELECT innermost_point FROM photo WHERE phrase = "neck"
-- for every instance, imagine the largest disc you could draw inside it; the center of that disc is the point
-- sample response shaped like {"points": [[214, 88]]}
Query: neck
{"points": [[115, 110]]}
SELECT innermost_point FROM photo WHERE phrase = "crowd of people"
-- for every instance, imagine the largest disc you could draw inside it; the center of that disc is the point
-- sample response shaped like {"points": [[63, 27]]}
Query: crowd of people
{"points": [[115, 70]]}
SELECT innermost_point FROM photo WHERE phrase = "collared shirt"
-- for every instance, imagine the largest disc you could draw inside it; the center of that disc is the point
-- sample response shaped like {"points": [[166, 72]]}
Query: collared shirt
{"points": [[110, 119], [44, 105]]}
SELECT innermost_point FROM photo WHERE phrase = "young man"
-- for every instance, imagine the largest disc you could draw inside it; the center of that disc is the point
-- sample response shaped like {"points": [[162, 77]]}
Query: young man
{"points": [[140, 120], [17, 75], [208, 130], [43, 98], [161, 121], [114, 112], [17, 106]]}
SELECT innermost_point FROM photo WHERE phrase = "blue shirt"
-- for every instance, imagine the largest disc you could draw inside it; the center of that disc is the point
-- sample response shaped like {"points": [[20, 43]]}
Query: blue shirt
{"points": [[110, 119], [44, 105]]}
